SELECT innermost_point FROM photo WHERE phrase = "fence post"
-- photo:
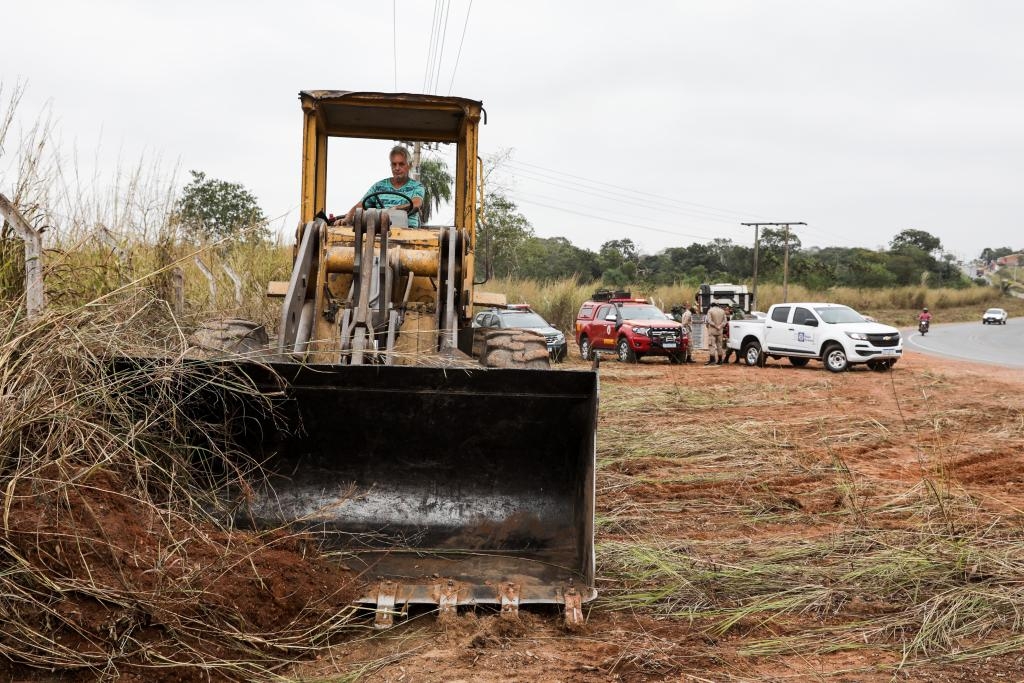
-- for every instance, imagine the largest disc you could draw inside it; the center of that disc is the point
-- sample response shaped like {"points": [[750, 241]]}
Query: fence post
{"points": [[237, 282], [123, 259], [178, 284], [35, 292], [209, 277]]}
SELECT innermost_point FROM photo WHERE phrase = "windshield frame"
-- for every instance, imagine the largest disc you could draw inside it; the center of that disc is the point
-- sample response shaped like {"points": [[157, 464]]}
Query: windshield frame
{"points": [[643, 312], [838, 315], [518, 317]]}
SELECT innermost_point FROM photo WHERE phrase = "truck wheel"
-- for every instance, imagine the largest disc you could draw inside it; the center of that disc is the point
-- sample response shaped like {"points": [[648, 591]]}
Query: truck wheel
{"points": [[586, 353], [626, 354], [835, 358], [798, 361], [752, 354], [515, 349]]}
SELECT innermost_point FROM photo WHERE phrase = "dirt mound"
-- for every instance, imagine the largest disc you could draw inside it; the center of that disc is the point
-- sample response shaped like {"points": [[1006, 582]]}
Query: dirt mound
{"points": [[112, 583]]}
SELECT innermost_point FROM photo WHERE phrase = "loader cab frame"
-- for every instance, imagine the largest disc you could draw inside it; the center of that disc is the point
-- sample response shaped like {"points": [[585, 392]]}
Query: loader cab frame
{"points": [[395, 116]]}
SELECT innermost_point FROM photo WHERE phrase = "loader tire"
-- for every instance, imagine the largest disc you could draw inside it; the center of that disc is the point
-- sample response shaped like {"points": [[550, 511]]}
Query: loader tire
{"points": [[218, 338], [515, 349]]}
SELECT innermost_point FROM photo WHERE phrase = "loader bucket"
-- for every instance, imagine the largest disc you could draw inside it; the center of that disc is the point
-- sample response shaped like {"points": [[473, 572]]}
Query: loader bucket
{"points": [[443, 486]]}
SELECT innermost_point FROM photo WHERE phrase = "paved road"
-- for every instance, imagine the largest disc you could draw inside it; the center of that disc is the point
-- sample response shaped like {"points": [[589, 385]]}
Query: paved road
{"points": [[996, 344]]}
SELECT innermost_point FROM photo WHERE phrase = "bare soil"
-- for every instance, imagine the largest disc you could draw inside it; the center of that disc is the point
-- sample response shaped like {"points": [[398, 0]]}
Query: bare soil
{"points": [[716, 468], [698, 458]]}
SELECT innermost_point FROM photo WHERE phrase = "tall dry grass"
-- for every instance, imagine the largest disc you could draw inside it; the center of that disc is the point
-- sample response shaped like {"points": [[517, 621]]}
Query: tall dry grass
{"points": [[117, 552], [117, 549]]}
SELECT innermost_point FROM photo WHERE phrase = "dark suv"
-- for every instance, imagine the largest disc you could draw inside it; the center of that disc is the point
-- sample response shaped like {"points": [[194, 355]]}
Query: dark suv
{"points": [[633, 328], [521, 316]]}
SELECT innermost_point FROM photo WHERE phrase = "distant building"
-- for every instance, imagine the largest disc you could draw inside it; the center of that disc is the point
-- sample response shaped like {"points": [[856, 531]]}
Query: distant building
{"points": [[1010, 261]]}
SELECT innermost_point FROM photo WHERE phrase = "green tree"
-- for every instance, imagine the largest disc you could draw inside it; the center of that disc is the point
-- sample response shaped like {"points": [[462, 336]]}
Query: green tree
{"points": [[501, 231], [619, 259], [556, 258], [215, 209], [437, 187], [989, 254], [919, 239]]}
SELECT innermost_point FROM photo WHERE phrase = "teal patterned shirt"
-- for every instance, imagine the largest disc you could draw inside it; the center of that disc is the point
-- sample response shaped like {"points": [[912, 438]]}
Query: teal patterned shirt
{"points": [[412, 188]]}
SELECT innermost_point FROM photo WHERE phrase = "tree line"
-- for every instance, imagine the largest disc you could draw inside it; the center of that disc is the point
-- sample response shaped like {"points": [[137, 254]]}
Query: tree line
{"points": [[510, 248], [507, 246]]}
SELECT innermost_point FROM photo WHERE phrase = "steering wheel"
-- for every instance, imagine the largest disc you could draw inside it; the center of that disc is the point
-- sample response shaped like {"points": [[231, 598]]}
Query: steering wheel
{"points": [[411, 210]]}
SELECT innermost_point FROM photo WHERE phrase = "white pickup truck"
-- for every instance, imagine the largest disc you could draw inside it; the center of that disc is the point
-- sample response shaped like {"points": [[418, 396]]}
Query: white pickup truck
{"points": [[836, 335]]}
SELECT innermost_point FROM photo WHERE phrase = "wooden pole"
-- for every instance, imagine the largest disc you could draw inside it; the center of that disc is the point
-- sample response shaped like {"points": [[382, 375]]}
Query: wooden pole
{"points": [[35, 291], [785, 269], [236, 281], [209, 278], [178, 283]]}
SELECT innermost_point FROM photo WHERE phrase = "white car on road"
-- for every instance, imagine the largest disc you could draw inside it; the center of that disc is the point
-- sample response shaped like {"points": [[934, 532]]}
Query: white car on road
{"points": [[994, 316]]}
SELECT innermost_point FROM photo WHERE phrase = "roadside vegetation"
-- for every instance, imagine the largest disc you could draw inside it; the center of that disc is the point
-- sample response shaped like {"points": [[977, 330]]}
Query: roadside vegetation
{"points": [[778, 530], [116, 556]]}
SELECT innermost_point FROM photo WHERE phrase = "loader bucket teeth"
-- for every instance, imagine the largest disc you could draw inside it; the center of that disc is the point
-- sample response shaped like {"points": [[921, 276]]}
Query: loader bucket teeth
{"points": [[478, 479]]}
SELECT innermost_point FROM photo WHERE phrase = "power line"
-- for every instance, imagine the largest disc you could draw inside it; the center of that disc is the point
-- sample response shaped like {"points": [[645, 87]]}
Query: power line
{"points": [[636, 197], [703, 211], [394, 38], [561, 202], [429, 61], [612, 220], [640, 192], [461, 40], [440, 52]]}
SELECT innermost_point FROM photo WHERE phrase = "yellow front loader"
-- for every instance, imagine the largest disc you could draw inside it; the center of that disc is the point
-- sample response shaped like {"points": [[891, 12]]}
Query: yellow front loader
{"points": [[441, 481]]}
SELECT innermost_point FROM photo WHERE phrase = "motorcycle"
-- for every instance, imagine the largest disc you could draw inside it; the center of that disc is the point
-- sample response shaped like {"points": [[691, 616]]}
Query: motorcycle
{"points": [[922, 327]]}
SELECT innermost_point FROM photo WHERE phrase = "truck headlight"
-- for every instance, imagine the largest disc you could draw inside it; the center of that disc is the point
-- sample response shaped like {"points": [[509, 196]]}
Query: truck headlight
{"points": [[857, 335], [559, 338], [642, 331]]}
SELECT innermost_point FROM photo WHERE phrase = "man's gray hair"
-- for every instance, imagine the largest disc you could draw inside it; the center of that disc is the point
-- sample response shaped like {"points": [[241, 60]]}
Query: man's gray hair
{"points": [[400, 149]]}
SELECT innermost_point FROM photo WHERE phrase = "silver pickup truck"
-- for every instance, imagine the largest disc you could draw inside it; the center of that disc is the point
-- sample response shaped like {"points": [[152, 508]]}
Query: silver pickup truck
{"points": [[836, 335]]}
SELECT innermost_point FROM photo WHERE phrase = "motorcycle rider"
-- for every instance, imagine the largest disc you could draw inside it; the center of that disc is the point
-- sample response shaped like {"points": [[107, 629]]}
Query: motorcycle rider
{"points": [[924, 320]]}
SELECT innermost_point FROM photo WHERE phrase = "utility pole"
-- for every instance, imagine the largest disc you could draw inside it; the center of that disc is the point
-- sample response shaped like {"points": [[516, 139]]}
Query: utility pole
{"points": [[785, 262], [416, 160], [785, 269]]}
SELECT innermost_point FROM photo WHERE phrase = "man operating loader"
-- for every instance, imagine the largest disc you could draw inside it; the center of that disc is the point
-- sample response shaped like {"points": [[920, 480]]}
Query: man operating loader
{"points": [[397, 192]]}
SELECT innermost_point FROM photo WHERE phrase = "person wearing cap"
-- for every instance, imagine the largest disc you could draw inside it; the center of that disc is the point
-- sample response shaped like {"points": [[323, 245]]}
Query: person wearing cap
{"points": [[715, 321]]}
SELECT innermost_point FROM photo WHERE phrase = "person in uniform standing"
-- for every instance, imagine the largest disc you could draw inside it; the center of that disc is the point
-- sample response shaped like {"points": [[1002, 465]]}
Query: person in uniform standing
{"points": [[686, 319], [725, 335], [715, 321]]}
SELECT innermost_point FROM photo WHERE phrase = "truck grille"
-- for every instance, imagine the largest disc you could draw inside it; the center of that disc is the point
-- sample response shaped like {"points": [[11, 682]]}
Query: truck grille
{"points": [[892, 339], [665, 335]]}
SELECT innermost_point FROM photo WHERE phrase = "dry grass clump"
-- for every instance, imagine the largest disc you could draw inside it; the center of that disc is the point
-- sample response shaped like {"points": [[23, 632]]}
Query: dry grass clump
{"points": [[757, 528], [116, 557]]}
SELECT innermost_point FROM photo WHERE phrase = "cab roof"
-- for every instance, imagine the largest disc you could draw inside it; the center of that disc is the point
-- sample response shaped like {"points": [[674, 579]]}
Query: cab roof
{"points": [[390, 116]]}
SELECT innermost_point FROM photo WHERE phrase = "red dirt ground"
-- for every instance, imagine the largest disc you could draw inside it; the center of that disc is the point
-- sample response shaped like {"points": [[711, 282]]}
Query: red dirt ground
{"points": [[928, 418]]}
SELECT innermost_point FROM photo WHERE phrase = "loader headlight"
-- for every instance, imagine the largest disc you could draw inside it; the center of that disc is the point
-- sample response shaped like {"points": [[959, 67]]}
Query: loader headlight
{"points": [[857, 335], [642, 331]]}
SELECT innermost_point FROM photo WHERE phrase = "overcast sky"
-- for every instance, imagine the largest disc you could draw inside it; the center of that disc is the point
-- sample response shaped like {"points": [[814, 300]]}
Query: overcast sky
{"points": [[666, 122]]}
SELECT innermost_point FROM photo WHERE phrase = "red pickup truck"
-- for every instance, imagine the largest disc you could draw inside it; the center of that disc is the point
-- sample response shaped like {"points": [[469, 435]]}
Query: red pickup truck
{"points": [[633, 328]]}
